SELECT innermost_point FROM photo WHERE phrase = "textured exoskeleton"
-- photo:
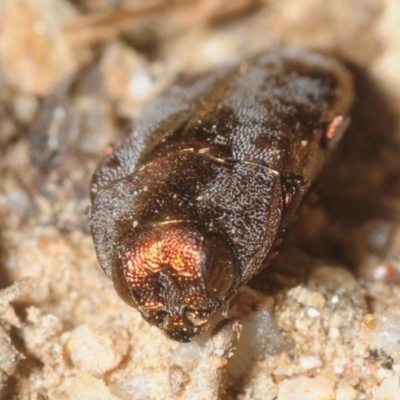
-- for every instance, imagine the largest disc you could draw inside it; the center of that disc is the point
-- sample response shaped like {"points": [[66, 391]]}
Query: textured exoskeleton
{"points": [[187, 210]]}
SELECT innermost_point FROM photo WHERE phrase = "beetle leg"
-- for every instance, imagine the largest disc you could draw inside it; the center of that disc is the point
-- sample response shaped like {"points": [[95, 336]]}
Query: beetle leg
{"points": [[293, 188], [335, 131]]}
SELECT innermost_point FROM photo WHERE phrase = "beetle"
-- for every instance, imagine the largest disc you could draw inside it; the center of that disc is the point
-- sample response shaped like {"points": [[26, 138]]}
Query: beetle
{"points": [[188, 209]]}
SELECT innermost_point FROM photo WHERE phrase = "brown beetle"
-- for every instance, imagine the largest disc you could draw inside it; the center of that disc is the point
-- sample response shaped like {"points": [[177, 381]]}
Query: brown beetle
{"points": [[188, 209]]}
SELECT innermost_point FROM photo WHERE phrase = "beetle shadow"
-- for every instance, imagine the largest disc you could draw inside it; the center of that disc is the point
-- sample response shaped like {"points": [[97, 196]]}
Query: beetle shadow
{"points": [[363, 175], [5, 278], [360, 185], [360, 182]]}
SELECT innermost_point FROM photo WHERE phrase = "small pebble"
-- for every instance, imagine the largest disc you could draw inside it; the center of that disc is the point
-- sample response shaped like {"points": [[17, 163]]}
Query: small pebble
{"points": [[305, 388]]}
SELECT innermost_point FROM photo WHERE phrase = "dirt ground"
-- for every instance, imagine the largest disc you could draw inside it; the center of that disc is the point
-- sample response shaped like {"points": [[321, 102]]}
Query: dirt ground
{"points": [[322, 322]]}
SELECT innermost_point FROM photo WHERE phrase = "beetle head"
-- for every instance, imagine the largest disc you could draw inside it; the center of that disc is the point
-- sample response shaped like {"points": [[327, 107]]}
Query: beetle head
{"points": [[176, 276]]}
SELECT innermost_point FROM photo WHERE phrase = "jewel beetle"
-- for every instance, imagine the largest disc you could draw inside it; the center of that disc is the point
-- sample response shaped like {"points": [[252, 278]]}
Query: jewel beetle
{"points": [[188, 209]]}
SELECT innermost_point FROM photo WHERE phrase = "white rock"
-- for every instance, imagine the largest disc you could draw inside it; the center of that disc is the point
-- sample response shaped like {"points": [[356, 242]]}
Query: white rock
{"points": [[386, 335], [310, 362], [305, 388], [307, 297], [96, 352], [86, 386], [389, 389], [346, 392]]}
